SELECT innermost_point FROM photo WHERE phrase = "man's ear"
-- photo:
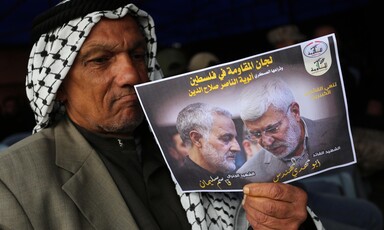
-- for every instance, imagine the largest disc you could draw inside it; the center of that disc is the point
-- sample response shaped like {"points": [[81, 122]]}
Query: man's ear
{"points": [[247, 147], [195, 138], [295, 109]]}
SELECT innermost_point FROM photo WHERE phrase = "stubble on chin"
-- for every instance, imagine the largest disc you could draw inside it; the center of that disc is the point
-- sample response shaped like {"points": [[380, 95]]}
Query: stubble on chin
{"points": [[124, 125]]}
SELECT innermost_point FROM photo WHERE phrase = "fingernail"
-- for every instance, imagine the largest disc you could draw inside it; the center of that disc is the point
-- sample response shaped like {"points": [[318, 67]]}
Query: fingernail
{"points": [[245, 190]]}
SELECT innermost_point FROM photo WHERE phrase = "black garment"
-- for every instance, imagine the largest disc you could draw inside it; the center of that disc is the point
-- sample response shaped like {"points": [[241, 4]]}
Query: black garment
{"points": [[145, 183]]}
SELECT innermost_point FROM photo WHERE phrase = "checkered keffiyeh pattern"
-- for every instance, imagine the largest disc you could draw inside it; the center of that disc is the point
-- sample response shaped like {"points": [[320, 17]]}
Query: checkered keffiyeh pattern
{"points": [[54, 52], [210, 210]]}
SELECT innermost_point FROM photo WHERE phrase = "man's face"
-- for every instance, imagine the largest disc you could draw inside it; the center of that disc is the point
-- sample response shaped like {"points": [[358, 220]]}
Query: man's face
{"points": [[251, 148], [178, 150], [179, 145], [99, 90], [221, 146], [277, 131]]}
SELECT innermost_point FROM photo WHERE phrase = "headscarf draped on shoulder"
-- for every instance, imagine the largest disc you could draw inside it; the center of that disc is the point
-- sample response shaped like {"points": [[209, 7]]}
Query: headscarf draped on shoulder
{"points": [[58, 35]]}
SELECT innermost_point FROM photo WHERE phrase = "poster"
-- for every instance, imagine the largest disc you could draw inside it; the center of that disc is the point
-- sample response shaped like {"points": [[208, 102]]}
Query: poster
{"points": [[309, 136]]}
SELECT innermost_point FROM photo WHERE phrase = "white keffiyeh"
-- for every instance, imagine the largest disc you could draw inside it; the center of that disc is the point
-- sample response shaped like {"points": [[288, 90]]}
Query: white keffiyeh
{"points": [[54, 53], [210, 210]]}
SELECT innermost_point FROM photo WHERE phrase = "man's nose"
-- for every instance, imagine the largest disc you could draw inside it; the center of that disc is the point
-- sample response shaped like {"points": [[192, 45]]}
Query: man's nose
{"points": [[266, 141], [129, 71], [235, 146]]}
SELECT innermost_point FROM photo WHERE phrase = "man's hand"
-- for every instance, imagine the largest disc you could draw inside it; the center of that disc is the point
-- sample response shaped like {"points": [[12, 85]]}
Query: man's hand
{"points": [[274, 205]]}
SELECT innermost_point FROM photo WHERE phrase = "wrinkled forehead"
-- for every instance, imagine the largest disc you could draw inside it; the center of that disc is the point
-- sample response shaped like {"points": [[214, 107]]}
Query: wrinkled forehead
{"points": [[58, 35]]}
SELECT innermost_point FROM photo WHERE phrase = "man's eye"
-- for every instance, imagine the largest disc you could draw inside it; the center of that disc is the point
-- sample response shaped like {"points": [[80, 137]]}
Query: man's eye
{"points": [[97, 61], [226, 138], [100, 60], [139, 56], [255, 133], [273, 129]]}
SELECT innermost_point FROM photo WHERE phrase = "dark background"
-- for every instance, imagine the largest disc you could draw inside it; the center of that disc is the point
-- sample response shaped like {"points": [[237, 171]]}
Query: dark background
{"points": [[231, 29]]}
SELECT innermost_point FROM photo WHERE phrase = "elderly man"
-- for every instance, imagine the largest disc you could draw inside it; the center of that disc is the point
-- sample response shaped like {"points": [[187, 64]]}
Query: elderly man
{"points": [[210, 136], [289, 140], [92, 162]]}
